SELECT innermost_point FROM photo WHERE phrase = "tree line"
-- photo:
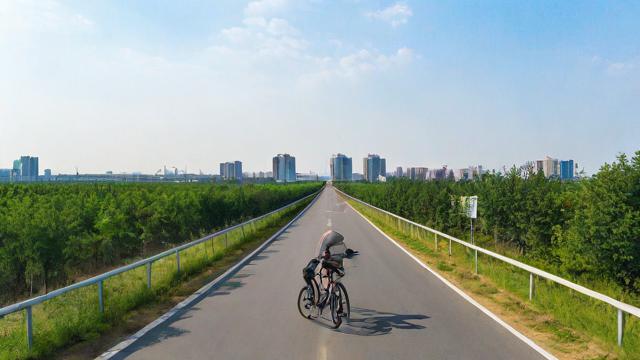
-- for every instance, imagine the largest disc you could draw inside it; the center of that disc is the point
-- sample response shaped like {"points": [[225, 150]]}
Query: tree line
{"points": [[53, 233], [587, 229]]}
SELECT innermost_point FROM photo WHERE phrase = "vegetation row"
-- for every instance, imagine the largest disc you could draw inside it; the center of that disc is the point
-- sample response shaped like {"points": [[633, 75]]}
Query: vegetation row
{"points": [[52, 234]]}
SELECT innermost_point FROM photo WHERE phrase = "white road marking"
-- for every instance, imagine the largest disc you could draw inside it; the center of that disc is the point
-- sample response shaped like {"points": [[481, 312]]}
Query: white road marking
{"points": [[487, 312], [329, 222], [322, 352]]}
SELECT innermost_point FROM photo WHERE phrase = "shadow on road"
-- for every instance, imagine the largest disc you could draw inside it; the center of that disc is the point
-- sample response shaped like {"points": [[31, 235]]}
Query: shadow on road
{"points": [[160, 334], [367, 322]]}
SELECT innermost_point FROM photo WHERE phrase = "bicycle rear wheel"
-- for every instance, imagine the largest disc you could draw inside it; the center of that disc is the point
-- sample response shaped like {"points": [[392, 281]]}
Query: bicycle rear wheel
{"points": [[307, 300]]}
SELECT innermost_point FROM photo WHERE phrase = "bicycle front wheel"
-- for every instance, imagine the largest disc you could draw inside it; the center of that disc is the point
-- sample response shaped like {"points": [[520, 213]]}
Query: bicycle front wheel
{"points": [[344, 307], [340, 307], [334, 303]]}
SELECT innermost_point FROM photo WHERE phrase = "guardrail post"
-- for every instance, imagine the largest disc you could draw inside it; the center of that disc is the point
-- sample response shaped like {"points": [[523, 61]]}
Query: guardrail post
{"points": [[101, 296], [532, 286], [29, 327], [435, 241], [149, 275], [243, 235], [620, 326], [226, 241], [476, 261], [449, 247], [178, 259]]}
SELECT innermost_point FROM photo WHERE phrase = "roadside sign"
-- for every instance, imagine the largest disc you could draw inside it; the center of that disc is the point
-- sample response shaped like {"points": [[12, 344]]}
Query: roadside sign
{"points": [[470, 206]]}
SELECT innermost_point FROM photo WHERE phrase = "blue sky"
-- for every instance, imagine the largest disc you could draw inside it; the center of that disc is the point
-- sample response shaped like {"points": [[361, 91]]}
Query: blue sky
{"points": [[135, 85]]}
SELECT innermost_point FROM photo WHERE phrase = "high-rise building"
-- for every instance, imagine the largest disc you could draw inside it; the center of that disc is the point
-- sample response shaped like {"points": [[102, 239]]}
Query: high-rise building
{"points": [[5, 175], [440, 174], [16, 170], [284, 168], [373, 167], [26, 168], [231, 170], [35, 172], [417, 173], [566, 169], [341, 167], [551, 167], [237, 165], [399, 171]]}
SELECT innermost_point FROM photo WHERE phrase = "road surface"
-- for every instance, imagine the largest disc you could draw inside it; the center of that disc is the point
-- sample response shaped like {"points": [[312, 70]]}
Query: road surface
{"points": [[399, 310]]}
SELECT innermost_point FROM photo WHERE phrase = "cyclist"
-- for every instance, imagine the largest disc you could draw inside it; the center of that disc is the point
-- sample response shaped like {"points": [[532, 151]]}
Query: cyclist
{"points": [[330, 291], [330, 241]]}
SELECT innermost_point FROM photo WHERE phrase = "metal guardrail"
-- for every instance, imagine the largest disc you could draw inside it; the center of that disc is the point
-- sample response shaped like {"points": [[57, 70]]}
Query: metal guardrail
{"points": [[99, 279], [620, 306]]}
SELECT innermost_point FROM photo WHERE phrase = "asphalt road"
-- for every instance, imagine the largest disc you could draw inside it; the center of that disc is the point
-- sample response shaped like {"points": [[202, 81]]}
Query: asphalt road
{"points": [[399, 310]]}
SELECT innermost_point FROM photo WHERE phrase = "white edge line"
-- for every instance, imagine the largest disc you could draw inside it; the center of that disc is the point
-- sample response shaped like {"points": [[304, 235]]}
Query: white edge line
{"points": [[487, 312], [195, 296]]}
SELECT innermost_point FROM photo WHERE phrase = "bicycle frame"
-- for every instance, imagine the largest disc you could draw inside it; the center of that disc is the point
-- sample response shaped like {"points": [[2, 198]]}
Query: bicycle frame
{"points": [[331, 282]]}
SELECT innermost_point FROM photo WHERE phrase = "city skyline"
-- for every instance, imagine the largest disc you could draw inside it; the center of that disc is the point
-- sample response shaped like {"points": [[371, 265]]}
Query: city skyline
{"points": [[564, 169], [116, 86]]}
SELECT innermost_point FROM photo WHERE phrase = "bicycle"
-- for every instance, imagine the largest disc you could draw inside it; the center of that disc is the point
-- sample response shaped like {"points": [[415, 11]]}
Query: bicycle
{"points": [[313, 299]]}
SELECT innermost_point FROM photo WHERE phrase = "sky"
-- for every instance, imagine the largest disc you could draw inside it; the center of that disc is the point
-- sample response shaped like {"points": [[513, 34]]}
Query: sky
{"points": [[136, 85]]}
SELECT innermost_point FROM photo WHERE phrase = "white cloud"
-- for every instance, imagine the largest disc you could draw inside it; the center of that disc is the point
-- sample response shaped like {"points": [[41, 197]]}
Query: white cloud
{"points": [[264, 7], [83, 20], [273, 37], [39, 16], [280, 27], [615, 67], [354, 65], [366, 61], [396, 14], [620, 67]]}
